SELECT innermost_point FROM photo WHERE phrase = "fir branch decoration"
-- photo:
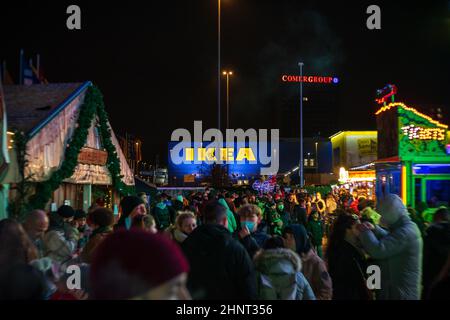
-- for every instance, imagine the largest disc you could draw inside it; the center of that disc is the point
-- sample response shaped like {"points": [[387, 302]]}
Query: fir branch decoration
{"points": [[93, 104]]}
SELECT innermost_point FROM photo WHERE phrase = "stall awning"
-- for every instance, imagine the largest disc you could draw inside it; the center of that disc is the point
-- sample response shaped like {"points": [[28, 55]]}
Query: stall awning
{"points": [[389, 160]]}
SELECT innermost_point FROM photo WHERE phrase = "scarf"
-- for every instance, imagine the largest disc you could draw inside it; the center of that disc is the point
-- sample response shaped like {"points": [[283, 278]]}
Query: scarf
{"points": [[161, 205]]}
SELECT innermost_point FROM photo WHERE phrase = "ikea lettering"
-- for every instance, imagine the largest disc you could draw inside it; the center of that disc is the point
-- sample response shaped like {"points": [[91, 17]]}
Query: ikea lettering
{"points": [[225, 154]]}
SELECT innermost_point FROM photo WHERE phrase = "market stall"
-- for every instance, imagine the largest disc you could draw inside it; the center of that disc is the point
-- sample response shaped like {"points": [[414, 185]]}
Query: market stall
{"points": [[413, 155]]}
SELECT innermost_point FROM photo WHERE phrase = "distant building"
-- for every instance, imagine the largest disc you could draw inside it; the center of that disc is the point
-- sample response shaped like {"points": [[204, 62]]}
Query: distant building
{"points": [[353, 149], [132, 150], [317, 162]]}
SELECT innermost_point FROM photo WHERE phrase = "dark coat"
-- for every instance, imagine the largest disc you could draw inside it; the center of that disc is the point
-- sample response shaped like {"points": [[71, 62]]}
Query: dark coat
{"points": [[297, 214], [220, 266], [436, 248], [302, 241], [347, 268], [315, 229], [285, 217], [255, 241], [162, 216]]}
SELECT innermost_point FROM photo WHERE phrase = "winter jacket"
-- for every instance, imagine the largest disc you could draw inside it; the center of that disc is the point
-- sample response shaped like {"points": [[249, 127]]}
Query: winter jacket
{"points": [[302, 241], [347, 267], [436, 250], [316, 273], [314, 268], [279, 277], [84, 233], [301, 215], [232, 226], [285, 217], [398, 251], [315, 229], [162, 216], [60, 242], [178, 205], [417, 219], [97, 237], [297, 213], [274, 221], [253, 242], [220, 266]]}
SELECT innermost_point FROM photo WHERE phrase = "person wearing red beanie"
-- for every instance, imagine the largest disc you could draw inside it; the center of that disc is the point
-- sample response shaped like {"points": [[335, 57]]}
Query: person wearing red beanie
{"points": [[136, 264]]}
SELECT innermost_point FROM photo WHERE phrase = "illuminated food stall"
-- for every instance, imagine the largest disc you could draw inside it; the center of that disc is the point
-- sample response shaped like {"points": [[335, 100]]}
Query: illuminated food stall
{"points": [[413, 155], [354, 153], [359, 180]]}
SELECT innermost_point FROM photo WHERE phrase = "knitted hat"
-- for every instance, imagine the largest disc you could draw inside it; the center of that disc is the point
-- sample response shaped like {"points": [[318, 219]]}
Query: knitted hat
{"points": [[66, 211], [130, 263], [128, 204]]}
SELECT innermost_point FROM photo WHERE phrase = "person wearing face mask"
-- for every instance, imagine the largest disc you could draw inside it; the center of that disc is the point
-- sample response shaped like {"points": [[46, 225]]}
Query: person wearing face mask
{"points": [[284, 215], [251, 235], [131, 206], [396, 249], [274, 221], [138, 265], [347, 263], [315, 230], [162, 214]]}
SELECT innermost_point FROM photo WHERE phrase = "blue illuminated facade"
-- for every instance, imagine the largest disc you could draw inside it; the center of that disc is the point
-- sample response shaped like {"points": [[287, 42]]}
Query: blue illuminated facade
{"points": [[248, 171]]}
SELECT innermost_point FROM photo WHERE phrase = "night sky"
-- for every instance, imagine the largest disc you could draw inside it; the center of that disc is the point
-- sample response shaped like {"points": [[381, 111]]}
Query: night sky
{"points": [[157, 64]]}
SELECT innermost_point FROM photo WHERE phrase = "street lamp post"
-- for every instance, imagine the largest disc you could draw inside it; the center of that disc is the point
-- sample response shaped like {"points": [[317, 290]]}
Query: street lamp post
{"points": [[218, 64], [317, 159], [300, 170], [228, 74]]}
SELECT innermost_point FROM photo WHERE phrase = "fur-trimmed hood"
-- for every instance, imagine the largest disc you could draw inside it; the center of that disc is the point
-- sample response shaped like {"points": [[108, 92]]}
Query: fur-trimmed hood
{"points": [[278, 261]]}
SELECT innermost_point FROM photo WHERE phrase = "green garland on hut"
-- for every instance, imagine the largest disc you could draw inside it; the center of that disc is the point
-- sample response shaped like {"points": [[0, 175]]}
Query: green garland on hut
{"points": [[92, 105]]}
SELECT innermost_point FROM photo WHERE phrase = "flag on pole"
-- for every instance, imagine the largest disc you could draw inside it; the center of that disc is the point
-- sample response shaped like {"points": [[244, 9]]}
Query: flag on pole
{"points": [[38, 72], [38, 77], [29, 74]]}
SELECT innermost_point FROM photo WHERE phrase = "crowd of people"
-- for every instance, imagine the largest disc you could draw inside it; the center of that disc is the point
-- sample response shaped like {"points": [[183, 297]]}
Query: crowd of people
{"points": [[229, 245]]}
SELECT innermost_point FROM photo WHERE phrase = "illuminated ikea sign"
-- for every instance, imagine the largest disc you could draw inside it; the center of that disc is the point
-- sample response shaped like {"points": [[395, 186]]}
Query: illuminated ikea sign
{"points": [[225, 155], [243, 162]]}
